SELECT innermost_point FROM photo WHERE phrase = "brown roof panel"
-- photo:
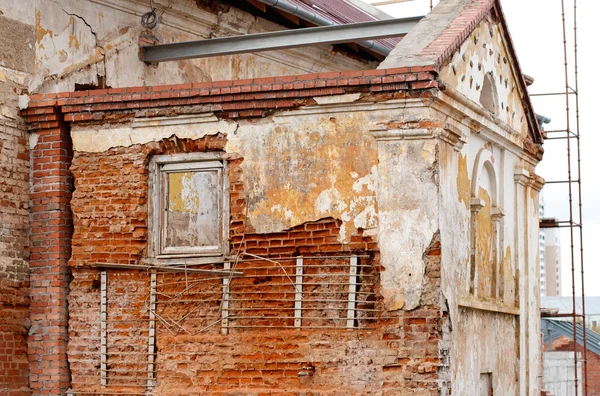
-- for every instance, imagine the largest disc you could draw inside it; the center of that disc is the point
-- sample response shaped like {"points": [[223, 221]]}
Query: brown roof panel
{"points": [[343, 12]]}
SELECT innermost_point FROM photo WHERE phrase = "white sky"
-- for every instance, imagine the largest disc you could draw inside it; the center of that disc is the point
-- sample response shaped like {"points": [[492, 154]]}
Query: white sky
{"points": [[536, 30]]}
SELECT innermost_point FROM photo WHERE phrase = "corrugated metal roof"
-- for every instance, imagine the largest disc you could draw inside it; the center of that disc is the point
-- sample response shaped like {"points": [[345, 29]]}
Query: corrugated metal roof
{"points": [[343, 12], [560, 328], [565, 304]]}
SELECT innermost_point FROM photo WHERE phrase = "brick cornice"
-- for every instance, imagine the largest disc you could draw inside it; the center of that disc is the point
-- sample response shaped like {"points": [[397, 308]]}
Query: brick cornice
{"points": [[231, 98], [444, 46]]}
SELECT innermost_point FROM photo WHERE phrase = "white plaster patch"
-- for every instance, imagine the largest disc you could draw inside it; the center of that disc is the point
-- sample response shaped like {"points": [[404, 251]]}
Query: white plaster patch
{"points": [[366, 181], [23, 101], [33, 139], [324, 201], [327, 100], [365, 218], [102, 139], [286, 212]]}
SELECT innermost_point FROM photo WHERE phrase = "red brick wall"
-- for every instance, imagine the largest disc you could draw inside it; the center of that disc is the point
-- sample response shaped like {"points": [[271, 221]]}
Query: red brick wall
{"points": [[14, 254], [391, 352], [51, 228], [564, 344]]}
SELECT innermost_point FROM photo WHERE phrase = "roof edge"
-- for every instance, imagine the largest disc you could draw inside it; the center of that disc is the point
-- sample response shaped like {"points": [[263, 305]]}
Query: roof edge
{"points": [[441, 33]]}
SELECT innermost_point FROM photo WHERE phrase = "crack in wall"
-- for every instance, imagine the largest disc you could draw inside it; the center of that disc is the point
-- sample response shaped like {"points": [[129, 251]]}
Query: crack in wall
{"points": [[101, 78]]}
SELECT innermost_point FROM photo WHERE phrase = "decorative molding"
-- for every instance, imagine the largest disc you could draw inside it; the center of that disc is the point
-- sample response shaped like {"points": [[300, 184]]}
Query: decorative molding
{"points": [[350, 108], [183, 119], [495, 132], [476, 204], [537, 182], [522, 177], [453, 136], [497, 213], [527, 179], [193, 21], [385, 134]]}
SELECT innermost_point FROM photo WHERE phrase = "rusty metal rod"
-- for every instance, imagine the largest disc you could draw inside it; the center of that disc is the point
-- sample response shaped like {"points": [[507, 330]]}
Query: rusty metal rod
{"points": [[173, 297], [306, 327], [306, 257], [577, 131], [267, 299], [568, 128]]}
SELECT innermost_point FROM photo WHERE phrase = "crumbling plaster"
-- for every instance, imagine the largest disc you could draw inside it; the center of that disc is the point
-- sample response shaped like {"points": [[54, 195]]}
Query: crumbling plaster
{"points": [[95, 42], [323, 162], [505, 316], [480, 55]]}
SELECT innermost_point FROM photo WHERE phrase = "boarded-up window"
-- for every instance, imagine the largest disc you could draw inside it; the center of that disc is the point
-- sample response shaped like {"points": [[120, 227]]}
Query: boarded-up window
{"points": [[189, 205]]}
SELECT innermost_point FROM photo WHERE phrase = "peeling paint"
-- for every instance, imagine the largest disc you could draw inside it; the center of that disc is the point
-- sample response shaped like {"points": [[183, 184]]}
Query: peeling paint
{"points": [[103, 137], [484, 55], [484, 264], [463, 184], [316, 167], [40, 32]]}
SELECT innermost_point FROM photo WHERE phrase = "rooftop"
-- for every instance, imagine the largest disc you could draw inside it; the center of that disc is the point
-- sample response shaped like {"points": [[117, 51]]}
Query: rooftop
{"points": [[565, 304]]}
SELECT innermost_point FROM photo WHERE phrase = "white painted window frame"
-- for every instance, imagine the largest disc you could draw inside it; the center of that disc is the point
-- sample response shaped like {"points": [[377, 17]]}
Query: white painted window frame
{"points": [[161, 165]]}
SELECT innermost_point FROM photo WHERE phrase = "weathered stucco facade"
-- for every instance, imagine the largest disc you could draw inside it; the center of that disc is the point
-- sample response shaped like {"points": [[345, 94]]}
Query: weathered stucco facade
{"points": [[370, 231]]}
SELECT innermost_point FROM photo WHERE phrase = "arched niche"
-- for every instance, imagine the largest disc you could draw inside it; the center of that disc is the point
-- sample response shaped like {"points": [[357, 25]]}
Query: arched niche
{"points": [[486, 219], [488, 97]]}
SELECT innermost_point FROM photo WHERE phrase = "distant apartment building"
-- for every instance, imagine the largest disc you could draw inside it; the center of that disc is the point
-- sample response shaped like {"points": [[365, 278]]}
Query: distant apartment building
{"points": [[542, 247], [552, 281], [550, 260]]}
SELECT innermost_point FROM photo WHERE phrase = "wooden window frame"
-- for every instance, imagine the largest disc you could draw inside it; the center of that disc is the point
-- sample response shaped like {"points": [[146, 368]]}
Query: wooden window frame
{"points": [[159, 167]]}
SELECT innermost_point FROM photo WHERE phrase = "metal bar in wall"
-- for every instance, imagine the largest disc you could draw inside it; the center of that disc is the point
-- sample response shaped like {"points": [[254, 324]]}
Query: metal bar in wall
{"points": [[152, 331], [270, 41], [103, 343], [298, 298], [225, 302], [352, 293]]}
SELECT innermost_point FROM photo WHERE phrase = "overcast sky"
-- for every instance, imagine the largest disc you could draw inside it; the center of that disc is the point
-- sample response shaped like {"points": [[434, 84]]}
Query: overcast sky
{"points": [[536, 30]]}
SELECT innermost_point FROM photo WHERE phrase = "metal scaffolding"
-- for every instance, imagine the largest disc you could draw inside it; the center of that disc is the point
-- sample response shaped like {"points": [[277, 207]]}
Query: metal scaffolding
{"points": [[571, 134]]}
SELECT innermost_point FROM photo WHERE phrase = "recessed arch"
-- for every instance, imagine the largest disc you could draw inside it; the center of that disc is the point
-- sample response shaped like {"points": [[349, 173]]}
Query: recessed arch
{"points": [[489, 94], [484, 162], [486, 221]]}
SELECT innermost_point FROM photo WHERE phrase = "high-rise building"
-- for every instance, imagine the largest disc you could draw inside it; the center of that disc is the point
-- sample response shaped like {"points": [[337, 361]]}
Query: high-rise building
{"points": [[550, 260], [542, 248]]}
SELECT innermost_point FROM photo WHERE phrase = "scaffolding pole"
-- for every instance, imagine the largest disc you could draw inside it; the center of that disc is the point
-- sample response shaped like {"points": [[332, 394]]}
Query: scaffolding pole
{"points": [[572, 136]]}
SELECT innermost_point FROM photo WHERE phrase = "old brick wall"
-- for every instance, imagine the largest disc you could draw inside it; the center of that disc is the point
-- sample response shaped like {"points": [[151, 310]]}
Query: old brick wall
{"points": [[14, 253], [563, 344], [15, 65], [388, 353]]}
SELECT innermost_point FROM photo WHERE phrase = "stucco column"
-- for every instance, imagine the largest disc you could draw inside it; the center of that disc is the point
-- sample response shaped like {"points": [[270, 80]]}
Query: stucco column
{"points": [[407, 198], [527, 190]]}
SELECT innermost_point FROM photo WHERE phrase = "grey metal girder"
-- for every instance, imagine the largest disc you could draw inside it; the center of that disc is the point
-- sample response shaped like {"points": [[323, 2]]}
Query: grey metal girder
{"points": [[277, 40]]}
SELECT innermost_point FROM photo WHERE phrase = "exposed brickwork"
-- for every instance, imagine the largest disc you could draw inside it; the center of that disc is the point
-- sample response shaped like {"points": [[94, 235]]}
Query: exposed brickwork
{"points": [[14, 254], [564, 344], [398, 352], [458, 31], [232, 98], [50, 239], [392, 353]]}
